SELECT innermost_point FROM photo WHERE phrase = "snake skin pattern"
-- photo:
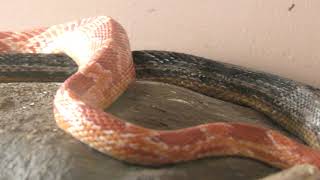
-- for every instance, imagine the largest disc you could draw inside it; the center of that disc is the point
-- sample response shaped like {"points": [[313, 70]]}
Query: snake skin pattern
{"points": [[101, 49]]}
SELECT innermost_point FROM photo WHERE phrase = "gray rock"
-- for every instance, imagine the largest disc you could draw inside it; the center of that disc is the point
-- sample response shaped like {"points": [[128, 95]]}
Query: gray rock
{"points": [[32, 147], [298, 172]]}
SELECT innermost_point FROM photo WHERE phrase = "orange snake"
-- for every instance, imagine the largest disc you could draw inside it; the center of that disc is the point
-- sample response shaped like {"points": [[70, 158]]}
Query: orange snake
{"points": [[101, 49]]}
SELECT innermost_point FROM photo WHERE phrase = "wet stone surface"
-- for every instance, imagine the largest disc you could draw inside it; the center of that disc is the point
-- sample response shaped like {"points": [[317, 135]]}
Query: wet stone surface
{"points": [[32, 146]]}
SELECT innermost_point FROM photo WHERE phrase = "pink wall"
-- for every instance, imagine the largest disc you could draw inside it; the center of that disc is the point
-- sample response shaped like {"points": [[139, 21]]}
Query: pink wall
{"points": [[261, 34]]}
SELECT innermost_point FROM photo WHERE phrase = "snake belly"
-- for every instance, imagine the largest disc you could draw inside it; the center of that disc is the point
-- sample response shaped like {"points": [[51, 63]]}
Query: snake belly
{"points": [[106, 69]]}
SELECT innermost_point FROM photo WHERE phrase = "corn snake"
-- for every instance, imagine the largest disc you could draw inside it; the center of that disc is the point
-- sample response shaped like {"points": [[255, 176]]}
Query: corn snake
{"points": [[101, 49]]}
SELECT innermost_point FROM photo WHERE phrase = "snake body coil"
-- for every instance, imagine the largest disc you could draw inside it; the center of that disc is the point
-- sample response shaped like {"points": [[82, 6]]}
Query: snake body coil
{"points": [[106, 69]]}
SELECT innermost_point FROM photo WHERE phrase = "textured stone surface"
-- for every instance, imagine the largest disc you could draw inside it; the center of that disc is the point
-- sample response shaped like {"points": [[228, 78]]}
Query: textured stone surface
{"points": [[298, 172], [32, 147]]}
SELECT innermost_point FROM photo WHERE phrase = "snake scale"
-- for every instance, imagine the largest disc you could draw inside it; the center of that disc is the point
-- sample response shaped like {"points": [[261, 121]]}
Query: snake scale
{"points": [[100, 48]]}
